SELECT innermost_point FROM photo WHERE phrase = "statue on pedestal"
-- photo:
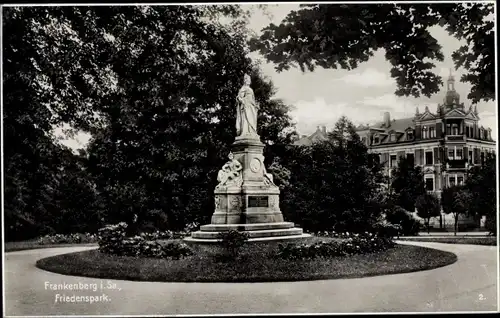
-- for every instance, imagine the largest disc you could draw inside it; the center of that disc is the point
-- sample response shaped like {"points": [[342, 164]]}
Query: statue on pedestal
{"points": [[230, 174], [246, 110]]}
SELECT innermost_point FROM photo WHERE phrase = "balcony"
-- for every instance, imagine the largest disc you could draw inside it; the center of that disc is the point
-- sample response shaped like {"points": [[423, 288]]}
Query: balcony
{"points": [[454, 164], [455, 138]]}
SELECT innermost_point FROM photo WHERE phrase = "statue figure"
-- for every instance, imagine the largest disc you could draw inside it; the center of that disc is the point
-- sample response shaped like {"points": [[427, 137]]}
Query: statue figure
{"points": [[268, 178], [230, 172], [246, 110]]}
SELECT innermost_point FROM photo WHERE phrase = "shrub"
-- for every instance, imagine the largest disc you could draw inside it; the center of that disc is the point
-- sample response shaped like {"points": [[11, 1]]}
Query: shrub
{"points": [[491, 225], [158, 235], [386, 229], [399, 216], [232, 241], [357, 244], [113, 240], [74, 238]]}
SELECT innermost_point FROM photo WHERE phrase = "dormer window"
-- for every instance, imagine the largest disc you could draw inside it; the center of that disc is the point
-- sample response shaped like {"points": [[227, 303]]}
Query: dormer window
{"points": [[454, 130], [409, 135], [376, 139], [393, 137]]}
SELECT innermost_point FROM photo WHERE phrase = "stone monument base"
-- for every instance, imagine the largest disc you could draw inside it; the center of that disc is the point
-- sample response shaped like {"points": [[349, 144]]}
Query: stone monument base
{"points": [[257, 232]]}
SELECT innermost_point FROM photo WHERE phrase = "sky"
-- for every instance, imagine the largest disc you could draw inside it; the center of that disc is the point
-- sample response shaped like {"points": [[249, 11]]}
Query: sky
{"points": [[321, 97]]}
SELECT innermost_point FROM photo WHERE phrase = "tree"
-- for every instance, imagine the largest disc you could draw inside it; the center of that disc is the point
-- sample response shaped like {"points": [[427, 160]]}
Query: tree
{"points": [[333, 184], [428, 207], [481, 183], [155, 86], [399, 216], [455, 200], [343, 36], [407, 184]]}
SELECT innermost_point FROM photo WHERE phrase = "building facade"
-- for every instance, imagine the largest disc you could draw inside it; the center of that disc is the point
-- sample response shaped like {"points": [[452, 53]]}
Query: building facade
{"points": [[445, 143]]}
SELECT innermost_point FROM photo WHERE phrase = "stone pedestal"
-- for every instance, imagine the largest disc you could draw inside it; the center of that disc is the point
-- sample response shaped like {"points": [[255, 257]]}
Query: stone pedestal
{"points": [[249, 205]]}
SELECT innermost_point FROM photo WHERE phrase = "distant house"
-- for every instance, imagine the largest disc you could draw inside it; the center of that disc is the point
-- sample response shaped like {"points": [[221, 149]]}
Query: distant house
{"points": [[319, 135], [445, 144]]}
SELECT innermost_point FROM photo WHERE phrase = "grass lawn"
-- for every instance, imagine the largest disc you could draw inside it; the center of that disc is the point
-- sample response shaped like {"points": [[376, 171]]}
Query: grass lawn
{"points": [[256, 264], [492, 241], [33, 244]]}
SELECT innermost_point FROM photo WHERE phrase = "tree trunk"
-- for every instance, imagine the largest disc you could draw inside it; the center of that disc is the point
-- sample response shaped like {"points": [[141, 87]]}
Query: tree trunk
{"points": [[456, 223], [428, 226]]}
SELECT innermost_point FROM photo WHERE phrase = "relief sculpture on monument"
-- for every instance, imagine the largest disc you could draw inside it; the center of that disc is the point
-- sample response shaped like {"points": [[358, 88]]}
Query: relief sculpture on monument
{"points": [[230, 174]]}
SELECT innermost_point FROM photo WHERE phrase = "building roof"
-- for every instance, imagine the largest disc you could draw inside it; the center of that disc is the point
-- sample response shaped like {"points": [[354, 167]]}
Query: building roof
{"points": [[398, 125], [318, 135]]}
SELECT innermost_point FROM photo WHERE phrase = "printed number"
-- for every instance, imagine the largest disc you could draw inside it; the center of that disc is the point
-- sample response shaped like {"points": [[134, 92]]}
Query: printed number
{"points": [[481, 297]]}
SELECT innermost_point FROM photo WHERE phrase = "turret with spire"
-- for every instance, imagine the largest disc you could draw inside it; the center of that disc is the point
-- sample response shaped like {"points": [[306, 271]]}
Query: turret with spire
{"points": [[452, 98]]}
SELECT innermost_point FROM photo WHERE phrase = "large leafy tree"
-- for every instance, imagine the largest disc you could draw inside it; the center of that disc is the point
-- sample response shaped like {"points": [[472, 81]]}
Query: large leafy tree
{"points": [[481, 183], [428, 207], [155, 86], [343, 36], [333, 184], [407, 184], [456, 201]]}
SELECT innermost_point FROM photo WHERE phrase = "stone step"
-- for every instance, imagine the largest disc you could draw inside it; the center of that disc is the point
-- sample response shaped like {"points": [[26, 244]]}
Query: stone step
{"points": [[246, 227], [252, 234], [258, 239]]}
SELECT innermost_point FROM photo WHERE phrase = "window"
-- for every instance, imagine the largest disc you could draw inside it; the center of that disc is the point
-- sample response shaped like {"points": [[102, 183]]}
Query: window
{"points": [[451, 154], [424, 132], [429, 158], [432, 132], [454, 129], [452, 181], [460, 180], [376, 139], [448, 129], [471, 157], [393, 160], [459, 154], [482, 157], [393, 137], [411, 159], [468, 131], [409, 135], [429, 184]]}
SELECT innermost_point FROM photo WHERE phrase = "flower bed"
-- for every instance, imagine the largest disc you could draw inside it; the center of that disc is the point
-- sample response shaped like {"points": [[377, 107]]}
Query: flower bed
{"points": [[113, 240], [74, 238], [350, 245]]}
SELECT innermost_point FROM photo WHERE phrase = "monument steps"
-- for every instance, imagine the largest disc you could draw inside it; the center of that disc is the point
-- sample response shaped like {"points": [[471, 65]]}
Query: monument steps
{"points": [[246, 227], [252, 240], [252, 234]]}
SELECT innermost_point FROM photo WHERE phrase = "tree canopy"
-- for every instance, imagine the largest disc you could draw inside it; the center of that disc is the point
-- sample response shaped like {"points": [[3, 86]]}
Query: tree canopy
{"points": [[345, 35], [154, 85], [339, 190], [481, 183], [407, 184]]}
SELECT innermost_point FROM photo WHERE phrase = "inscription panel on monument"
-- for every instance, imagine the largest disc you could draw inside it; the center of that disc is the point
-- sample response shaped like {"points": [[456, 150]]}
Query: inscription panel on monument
{"points": [[258, 201]]}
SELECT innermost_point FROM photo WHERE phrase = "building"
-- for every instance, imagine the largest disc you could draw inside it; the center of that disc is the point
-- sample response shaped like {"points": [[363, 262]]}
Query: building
{"points": [[445, 143]]}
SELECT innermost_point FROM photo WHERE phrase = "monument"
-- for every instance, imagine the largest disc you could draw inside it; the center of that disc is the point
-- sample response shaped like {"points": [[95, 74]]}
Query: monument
{"points": [[246, 198]]}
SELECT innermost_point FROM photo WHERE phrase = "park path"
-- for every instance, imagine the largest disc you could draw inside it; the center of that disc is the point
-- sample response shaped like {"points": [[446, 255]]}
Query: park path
{"points": [[467, 285]]}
